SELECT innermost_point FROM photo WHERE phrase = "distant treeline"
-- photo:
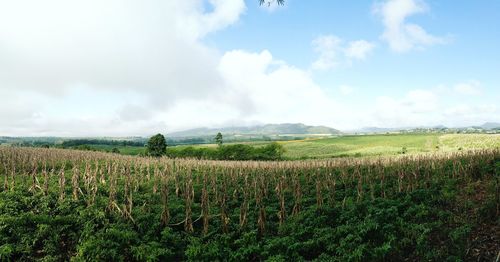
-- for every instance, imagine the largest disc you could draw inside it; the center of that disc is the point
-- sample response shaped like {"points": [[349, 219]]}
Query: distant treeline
{"points": [[80, 142], [140, 143], [32, 144], [273, 151], [189, 141], [227, 139]]}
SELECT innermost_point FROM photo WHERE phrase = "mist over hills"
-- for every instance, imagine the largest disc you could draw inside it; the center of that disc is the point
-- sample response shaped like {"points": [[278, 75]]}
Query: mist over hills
{"points": [[302, 129], [490, 125], [268, 129], [263, 132]]}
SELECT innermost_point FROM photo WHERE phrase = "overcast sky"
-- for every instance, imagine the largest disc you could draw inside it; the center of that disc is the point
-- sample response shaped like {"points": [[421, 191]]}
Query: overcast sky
{"points": [[123, 68]]}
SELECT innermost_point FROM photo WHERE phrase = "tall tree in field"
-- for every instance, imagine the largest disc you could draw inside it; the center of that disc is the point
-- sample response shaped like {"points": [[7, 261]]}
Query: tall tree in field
{"points": [[157, 145], [218, 139]]}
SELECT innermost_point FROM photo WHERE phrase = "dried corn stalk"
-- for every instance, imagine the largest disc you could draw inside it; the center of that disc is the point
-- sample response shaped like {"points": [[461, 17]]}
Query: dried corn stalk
{"points": [[75, 183], [62, 183], [189, 195], [165, 214]]}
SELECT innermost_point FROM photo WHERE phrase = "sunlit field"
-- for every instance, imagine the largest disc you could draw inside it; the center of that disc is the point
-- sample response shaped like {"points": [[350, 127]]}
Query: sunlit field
{"points": [[249, 130], [60, 204], [382, 145]]}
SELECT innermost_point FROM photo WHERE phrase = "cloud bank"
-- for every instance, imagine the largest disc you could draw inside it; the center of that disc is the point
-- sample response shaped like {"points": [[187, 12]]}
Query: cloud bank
{"points": [[114, 68]]}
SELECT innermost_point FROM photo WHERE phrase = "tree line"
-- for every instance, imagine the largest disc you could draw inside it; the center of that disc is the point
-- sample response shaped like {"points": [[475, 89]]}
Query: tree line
{"points": [[79, 142], [157, 146]]}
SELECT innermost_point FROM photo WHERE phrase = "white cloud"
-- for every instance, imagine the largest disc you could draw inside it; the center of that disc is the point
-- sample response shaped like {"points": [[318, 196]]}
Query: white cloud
{"points": [[401, 35], [329, 49], [151, 47], [428, 107], [420, 101], [346, 90], [119, 68], [224, 13], [417, 107], [472, 114], [472, 87], [152, 50], [359, 49], [260, 90], [333, 51], [72, 69]]}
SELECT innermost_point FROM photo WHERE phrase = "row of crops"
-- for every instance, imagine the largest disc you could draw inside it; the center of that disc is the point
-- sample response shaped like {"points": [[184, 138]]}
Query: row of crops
{"points": [[61, 204]]}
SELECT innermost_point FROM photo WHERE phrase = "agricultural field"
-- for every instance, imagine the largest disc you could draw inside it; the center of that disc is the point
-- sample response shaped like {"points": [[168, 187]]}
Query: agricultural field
{"points": [[383, 145], [452, 142], [348, 145], [60, 204], [362, 145], [245, 130]]}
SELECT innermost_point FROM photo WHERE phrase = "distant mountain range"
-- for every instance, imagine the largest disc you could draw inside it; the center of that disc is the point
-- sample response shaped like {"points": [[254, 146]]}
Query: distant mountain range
{"points": [[301, 129], [269, 129], [490, 125], [260, 132]]}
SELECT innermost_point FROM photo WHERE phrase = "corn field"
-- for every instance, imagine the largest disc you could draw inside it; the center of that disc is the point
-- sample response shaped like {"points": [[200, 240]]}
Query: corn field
{"points": [[201, 199]]}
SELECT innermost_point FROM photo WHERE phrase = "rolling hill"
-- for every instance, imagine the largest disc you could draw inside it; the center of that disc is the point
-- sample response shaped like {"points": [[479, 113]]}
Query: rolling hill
{"points": [[269, 129]]}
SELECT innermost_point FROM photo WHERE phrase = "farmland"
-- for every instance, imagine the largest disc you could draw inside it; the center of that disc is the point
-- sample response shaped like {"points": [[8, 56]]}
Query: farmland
{"points": [[385, 145], [382, 145], [245, 130], [64, 204], [373, 145]]}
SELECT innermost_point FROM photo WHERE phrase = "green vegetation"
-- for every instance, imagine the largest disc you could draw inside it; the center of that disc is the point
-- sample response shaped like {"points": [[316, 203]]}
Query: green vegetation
{"points": [[156, 146], [79, 142], [124, 150], [386, 145], [379, 145], [453, 142], [60, 205], [279, 2], [362, 145], [272, 151], [340, 146], [218, 139]]}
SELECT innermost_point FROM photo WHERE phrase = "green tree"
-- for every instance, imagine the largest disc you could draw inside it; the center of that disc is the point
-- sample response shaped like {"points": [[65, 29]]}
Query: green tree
{"points": [[157, 145], [269, 2], [218, 139]]}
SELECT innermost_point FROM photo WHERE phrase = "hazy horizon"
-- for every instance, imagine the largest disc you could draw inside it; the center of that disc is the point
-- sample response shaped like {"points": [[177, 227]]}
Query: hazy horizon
{"points": [[113, 68], [167, 133]]}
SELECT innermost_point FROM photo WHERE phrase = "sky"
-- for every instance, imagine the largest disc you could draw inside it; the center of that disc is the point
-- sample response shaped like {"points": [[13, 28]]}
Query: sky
{"points": [[136, 68]]}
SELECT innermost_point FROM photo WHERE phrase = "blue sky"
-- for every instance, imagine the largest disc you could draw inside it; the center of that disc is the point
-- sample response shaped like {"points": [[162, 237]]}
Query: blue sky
{"points": [[472, 52], [115, 68]]}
